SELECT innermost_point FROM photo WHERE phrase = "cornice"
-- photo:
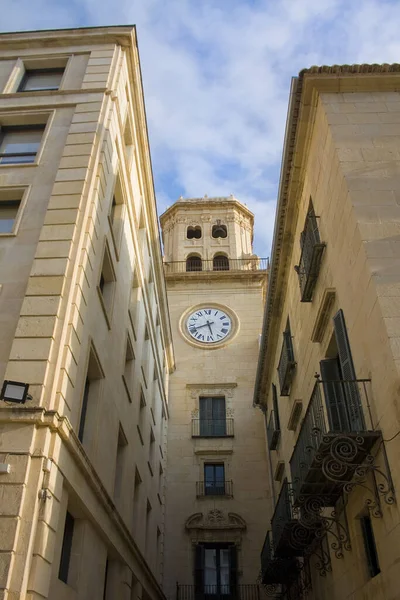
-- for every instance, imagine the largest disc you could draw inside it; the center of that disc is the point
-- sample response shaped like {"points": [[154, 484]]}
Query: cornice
{"points": [[304, 96], [120, 34], [209, 205]]}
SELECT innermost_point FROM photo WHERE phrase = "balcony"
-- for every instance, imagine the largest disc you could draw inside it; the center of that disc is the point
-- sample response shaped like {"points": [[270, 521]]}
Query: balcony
{"points": [[212, 428], [215, 488], [310, 259], [275, 570], [250, 591], [232, 265], [273, 431], [287, 364], [291, 535], [333, 441]]}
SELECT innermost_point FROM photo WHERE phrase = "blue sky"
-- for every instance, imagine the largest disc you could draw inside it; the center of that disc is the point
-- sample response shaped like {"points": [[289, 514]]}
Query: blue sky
{"points": [[217, 76]]}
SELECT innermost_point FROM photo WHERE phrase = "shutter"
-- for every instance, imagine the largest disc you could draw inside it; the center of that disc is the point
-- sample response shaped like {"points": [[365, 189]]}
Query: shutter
{"points": [[233, 571], [353, 404], [334, 397], [275, 407], [199, 570], [219, 416], [206, 416]]}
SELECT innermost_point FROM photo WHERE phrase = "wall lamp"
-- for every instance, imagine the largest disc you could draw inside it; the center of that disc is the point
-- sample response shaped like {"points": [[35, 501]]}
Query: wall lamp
{"points": [[15, 391]]}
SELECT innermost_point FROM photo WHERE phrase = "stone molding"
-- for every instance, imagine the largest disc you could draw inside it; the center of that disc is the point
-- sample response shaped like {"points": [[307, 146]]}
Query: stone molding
{"points": [[215, 519]]}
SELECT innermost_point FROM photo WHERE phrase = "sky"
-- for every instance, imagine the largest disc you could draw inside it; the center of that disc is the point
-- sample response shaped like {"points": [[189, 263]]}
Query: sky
{"points": [[217, 75]]}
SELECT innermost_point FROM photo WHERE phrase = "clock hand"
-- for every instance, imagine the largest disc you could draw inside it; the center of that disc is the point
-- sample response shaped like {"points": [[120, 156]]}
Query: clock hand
{"points": [[209, 327], [205, 325]]}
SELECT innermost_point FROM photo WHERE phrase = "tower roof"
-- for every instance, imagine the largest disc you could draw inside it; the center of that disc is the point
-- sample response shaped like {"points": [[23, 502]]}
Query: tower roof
{"points": [[206, 201]]}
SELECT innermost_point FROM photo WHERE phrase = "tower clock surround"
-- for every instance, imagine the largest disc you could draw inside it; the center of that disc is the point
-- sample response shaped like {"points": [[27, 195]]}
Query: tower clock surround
{"points": [[209, 315]]}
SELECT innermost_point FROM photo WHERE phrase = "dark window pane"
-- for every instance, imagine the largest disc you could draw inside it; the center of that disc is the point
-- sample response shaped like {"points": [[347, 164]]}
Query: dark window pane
{"points": [[66, 547], [84, 409], [34, 81], [370, 547]]}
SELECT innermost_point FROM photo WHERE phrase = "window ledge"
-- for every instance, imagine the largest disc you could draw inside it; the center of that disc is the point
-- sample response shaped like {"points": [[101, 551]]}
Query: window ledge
{"points": [[18, 165]]}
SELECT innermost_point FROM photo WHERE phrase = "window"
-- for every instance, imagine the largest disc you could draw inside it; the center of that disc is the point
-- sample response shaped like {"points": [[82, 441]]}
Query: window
{"points": [[193, 233], [105, 580], [36, 80], [369, 546], [10, 201], [107, 285], [212, 417], [116, 216], [220, 263], [20, 144], [136, 501], [129, 367], [87, 421], [215, 570], [219, 230], [120, 460], [287, 363], [66, 548], [193, 263], [214, 479], [311, 255]]}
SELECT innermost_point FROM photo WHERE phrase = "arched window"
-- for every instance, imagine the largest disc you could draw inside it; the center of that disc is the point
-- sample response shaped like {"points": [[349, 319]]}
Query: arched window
{"points": [[220, 262], [219, 230], [193, 263], [193, 233]]}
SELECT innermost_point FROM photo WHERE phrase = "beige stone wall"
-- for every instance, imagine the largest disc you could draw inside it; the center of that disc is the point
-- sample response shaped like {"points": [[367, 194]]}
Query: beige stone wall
{"points": [[59, 326], [351, 174]]}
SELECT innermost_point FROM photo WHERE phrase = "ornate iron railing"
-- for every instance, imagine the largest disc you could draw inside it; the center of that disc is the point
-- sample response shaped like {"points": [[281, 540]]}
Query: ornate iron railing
{"points": [[293, 530], [333, 440], [310, 260], [212, 427], [214, 488], [275, 570], [250, 591], [273, 431], [286, 364], [231, 264]]}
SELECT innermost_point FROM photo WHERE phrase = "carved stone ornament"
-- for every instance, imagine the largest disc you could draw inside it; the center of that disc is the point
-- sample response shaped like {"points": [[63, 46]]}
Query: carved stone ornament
{"points": [[205, 218], [215, 519], [220, 391], [181, 219]]}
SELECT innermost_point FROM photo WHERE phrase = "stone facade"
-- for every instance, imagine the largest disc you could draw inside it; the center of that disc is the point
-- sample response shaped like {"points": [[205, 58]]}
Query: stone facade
{"points": [[84, 322], [340, 178], [234, 515]]}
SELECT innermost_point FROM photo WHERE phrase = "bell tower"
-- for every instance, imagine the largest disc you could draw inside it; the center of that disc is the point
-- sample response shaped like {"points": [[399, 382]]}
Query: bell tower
{"points": [[217, 486], [207, 228]]}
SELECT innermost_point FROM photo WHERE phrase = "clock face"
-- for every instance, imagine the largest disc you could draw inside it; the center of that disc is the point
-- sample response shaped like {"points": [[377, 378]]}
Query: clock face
{"points": [[209, 325]]}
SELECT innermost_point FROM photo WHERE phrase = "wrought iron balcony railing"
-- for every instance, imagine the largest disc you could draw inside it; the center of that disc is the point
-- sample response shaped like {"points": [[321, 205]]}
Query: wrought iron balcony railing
{"points": [[310, 259], [273, 431], [214, 488], [287, 364], [251, 591], [212, 427], [230, 264], [276, 570], [333, 440], [292, 535]]}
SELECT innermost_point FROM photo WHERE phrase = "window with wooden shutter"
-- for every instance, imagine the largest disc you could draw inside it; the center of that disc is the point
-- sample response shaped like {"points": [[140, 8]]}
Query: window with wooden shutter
{"points": [[348, 376]]}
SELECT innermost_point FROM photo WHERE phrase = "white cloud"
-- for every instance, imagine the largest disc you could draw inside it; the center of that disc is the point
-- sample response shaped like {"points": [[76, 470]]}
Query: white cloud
{"points": [[217, 77]]}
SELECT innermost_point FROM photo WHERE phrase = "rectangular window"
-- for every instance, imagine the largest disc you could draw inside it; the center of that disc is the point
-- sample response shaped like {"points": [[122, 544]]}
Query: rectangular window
{"points": [[87, 421], [36, 80], [129, 368], [120, 461], [287, 363], [10, 202], [370, 546], [106, 285], [66, 547], [214, 479], [215, 569], [212, 417], [20, 144]]}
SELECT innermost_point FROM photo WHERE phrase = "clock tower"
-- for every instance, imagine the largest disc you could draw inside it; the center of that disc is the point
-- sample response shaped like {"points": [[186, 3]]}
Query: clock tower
{"points": [[218, 480]]}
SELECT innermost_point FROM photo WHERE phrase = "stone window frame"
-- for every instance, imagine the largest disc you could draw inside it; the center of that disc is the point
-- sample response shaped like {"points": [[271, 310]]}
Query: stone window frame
{"points": [[199, 390]]}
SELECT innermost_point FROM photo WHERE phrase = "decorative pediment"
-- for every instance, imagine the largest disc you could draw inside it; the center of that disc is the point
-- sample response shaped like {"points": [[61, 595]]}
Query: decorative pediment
{"points": [[215, 519]]}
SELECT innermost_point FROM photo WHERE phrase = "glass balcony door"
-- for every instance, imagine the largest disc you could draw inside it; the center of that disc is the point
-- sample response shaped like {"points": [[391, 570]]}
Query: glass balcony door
{"points": [[212, 417]]}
